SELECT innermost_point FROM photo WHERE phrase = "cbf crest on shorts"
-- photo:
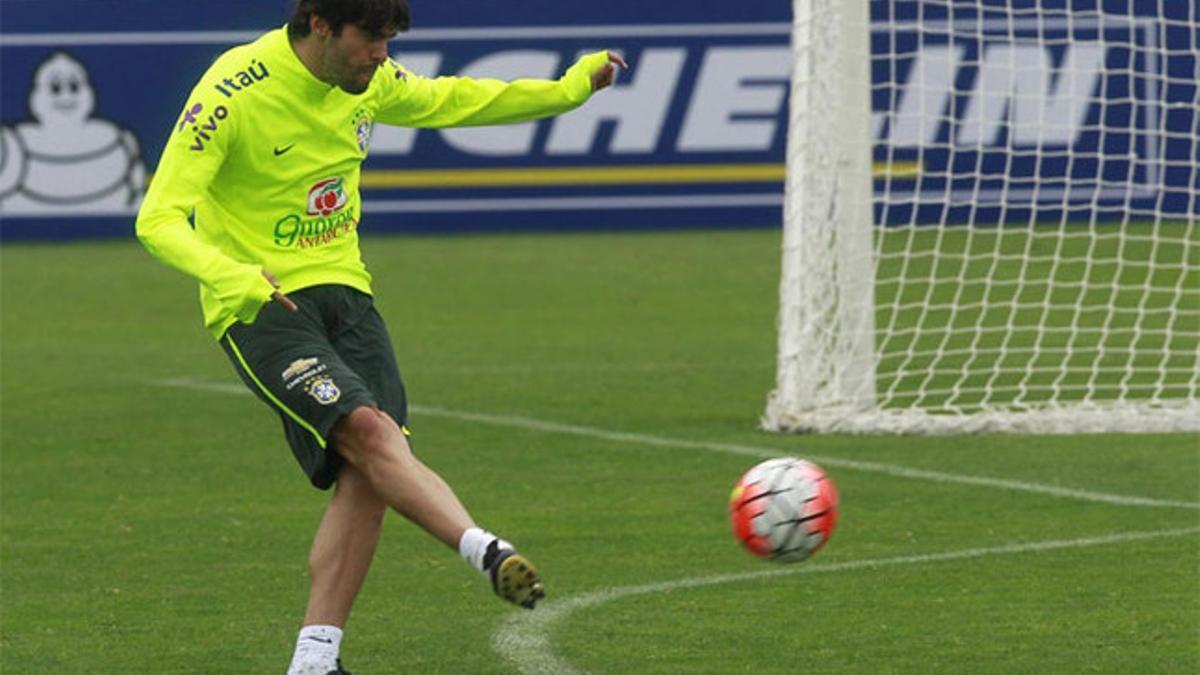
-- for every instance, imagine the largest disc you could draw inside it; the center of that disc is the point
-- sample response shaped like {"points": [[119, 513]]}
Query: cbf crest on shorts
{"points": [[323, 390]]}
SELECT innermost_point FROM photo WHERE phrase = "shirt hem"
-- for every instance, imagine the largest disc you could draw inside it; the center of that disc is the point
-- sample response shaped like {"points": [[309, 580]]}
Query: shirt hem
{"points": [[222, 322]]}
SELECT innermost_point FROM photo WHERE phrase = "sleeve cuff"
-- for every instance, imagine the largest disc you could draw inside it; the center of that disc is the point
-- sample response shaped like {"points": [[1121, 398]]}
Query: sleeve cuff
{"points": [[578, 79]]}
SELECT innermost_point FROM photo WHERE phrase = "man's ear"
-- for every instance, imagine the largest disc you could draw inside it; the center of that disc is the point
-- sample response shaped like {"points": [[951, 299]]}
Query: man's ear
{"points": [[319, 26]]}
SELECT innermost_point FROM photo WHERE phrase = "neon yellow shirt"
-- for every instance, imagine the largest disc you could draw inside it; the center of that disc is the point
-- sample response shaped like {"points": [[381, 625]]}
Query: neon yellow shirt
{"points": [[268, 157]]}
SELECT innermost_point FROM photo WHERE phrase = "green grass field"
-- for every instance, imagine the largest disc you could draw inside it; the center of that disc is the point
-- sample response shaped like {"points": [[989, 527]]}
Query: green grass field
{"points": [[593, 398]]}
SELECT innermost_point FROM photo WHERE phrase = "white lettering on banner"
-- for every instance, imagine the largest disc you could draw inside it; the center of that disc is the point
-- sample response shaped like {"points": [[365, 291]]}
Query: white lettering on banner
{"points": [[639, 108], [399, 140], [1017, 79], [1020, 93], [513, 139], [925, 97], [731, 88], [736, 105]]}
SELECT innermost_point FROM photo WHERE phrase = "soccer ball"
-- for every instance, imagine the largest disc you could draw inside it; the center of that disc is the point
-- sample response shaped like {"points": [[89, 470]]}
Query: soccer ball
{"points": [[784, 509]]}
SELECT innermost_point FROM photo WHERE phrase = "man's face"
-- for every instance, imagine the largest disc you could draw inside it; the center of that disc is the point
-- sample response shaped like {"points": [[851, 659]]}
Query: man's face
{"points": [[352, 57]]}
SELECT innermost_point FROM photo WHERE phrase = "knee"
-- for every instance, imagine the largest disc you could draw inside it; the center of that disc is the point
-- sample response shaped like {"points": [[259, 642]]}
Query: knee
{"points": [[367, 434]]}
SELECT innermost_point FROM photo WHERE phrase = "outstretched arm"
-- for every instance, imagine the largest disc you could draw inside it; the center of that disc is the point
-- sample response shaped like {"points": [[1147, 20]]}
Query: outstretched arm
{"points": [[414, 101]]}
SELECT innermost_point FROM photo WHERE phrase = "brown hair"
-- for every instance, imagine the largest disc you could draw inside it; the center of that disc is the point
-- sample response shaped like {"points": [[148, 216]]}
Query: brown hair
{"points": [[376, 17]]}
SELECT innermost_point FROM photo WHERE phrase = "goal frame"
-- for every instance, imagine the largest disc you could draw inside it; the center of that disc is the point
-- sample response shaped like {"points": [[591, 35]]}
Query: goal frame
{"points": [[827, 358]]}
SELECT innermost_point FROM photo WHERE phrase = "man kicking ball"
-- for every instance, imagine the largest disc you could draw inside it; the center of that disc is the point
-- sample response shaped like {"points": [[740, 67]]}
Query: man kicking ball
{"points": [[265, 160]]}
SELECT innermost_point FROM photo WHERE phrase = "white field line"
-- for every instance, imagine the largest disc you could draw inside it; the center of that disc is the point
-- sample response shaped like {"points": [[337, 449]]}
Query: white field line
{"points": [[894, 470], [835, 462], [524, 638], [577, 367]]}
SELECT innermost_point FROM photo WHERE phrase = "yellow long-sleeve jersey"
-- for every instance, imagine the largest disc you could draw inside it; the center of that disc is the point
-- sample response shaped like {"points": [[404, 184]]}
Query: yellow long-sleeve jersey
{"points": [[265, 161]]}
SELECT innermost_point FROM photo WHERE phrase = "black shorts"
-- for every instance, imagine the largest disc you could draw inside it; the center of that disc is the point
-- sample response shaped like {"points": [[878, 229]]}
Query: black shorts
{"points": [[317, 365]]}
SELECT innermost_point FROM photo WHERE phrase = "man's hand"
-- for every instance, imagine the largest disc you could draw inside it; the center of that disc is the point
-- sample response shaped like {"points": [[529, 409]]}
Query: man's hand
{"points": [[277, 296], [605, 76]]}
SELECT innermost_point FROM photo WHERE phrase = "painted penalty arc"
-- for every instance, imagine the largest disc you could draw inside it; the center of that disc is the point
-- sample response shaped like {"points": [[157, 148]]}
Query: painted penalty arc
{"points": [[524, 638]]}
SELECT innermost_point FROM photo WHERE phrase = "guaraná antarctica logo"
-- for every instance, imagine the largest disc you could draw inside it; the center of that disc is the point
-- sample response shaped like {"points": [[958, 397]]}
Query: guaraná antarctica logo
{"points": [[328, 218], [327, 196]]}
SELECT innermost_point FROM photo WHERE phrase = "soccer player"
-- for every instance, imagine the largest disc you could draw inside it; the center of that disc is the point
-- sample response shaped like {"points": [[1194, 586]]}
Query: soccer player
{"points": [[265, 161]]}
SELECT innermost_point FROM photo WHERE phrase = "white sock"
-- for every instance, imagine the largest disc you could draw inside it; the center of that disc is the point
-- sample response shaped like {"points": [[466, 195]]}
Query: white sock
{"points": [[316, 650], [474, 545]]}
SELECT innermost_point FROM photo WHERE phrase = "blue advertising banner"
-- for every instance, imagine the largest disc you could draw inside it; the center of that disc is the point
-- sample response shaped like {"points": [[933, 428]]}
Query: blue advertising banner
{"points": [[1080, 110], [692, 135]]}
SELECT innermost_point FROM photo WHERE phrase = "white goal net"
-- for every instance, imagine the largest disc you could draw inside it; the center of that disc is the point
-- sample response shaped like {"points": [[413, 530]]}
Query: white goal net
{"points": [[991, 219]]}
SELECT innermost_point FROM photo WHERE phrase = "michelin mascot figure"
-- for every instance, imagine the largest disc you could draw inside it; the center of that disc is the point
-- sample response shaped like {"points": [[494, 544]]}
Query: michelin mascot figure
{"points": [[65, 161]]}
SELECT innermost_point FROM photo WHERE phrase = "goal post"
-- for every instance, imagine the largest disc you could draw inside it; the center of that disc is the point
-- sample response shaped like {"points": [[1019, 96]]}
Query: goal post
{"points": [[826, 325], [990, 220]]}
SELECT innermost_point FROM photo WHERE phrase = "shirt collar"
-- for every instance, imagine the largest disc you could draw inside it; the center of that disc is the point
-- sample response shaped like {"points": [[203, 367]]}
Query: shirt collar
{"points": [[291, 68]]}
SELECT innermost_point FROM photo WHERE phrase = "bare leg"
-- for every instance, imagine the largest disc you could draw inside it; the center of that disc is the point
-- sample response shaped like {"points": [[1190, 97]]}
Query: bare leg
{"points": [[373, 443], [343, 548]]}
